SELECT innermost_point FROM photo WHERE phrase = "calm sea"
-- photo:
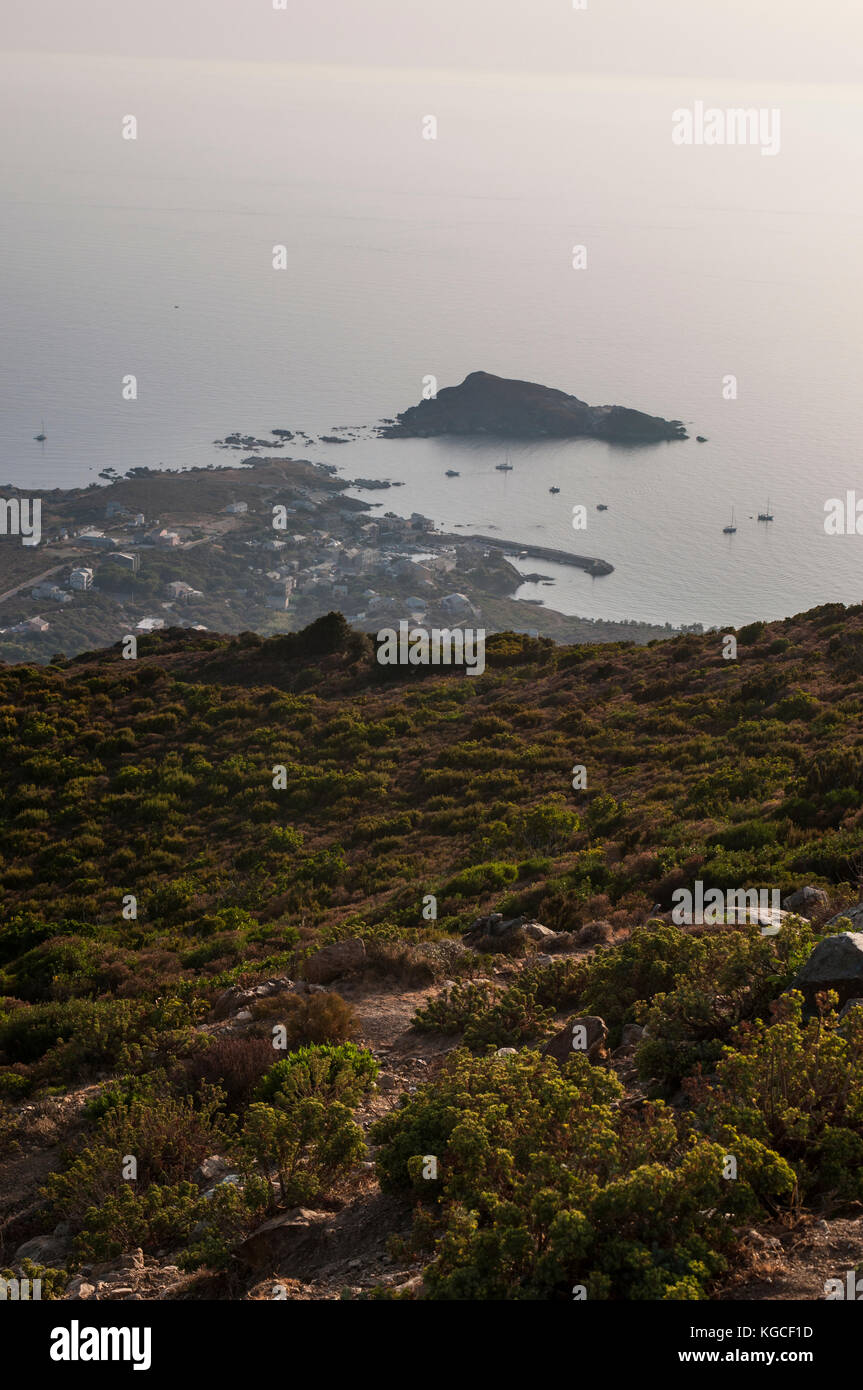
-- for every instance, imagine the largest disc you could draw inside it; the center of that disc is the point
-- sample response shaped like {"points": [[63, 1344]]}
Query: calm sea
{"points": [[409, 257]]}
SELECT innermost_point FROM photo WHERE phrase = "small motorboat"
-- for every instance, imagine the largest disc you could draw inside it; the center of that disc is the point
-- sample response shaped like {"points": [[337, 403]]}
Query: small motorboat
{"points": [[554, 489], [452, 473], [601, 507]]}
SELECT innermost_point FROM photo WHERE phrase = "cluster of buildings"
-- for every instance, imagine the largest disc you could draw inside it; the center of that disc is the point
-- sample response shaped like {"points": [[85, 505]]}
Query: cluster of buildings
{"points": [[130, 522], [331, 553], [374, 570]]}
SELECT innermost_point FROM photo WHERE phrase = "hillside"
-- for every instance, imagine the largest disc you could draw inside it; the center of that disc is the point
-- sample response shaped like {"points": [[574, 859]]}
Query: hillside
{"points": [[155, 778]]}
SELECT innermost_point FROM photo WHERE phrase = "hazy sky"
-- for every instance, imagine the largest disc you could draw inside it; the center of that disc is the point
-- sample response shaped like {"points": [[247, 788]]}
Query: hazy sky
{"points": [[772, 40]]}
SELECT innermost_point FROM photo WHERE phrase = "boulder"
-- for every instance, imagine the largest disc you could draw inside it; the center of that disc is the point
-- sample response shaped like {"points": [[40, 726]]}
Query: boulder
{"points": [[210, 1170], [632, 1034], [289, 1243], [835, 963], [854, 915], [536, 931], [232, 1000], [495, 932], [42, 1250], [502, 926], [114, 1269], [585, 1034], [805, 899], [79, 1288], [494, 924], [332, 961]]}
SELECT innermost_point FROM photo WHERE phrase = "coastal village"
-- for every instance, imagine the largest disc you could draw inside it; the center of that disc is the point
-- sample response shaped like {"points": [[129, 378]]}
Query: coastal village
{"points": [[267, 546]]}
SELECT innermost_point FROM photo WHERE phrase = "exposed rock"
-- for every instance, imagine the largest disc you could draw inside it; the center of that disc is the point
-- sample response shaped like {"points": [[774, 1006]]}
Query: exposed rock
{"points": [[388, 1083], [805, 898], [79, 1288], [411, 1288], [854, 915], [583, 1034], [632, 1034], [332, 961], [236, 998], [286, 1242], [210, 1169], [114, 1269], [495, 932], [42, 1250], [835, 963], [536, 931], [494, 405], [506, 1052], [129, 1277]]}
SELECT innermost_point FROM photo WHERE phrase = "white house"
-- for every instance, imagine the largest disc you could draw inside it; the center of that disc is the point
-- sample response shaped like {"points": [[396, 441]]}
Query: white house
{"points": [[457, 606]]}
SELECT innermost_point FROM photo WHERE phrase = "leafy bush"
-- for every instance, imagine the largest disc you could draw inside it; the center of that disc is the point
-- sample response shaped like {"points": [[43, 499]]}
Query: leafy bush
{"points": [[327, 1072], [543, 1184], [728, 978], [306, 1134], [798, 1089], [454, 1009], [167, 1136]]}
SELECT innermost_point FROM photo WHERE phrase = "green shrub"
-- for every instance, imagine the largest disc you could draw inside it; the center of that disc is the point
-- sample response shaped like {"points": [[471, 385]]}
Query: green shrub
{"points": [[455, 1008], [543, 1184], [729, 978], [328, 1072], [799, 1089], [481, 878], [168, 1136]]}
